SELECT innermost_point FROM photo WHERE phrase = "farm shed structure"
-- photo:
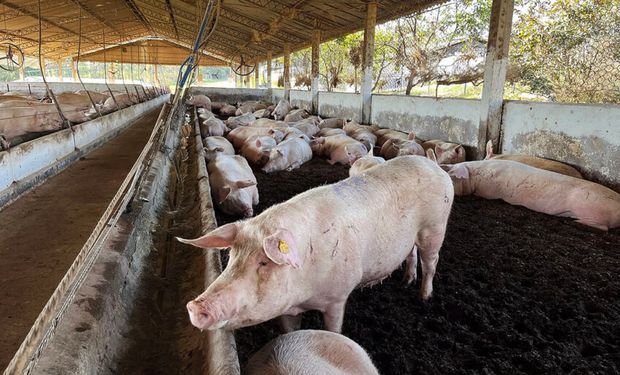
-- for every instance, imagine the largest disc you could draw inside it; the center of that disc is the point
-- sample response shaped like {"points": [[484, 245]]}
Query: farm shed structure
{"points": [[110, 272]]}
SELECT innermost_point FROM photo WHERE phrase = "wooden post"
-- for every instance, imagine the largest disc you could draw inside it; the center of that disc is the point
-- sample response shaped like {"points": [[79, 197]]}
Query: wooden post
{"points": [[491, 104], [314, 88], [287, 71], [269, 58], [22, 70], [74, 70], [256, 74], [367, 60]]}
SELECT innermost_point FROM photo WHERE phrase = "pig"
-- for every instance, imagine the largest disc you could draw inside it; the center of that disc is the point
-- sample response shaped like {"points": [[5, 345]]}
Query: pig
{"points": [[249, 107], [340, 148], [233, 185], [397, 147], [19, 121], [311, 352], [307, 128], [8, 97], [205, 115], [281, 110], [240, 135], [332, 123], [213, 126], [228, 110], [326, 132], [536, 162], [268, 123], [201, 101], [217, 106], [364, 163], [238, 121], [383, 135], [290, 132], [81, 102], [257, 149], [312, 251], [262, 113], [289, 155], [214, 146], [539, 190], [352, 126], [98, 97], [71, 113], [316, 120], [365, 136], [296, 115], [446, 152], [123, 101]]}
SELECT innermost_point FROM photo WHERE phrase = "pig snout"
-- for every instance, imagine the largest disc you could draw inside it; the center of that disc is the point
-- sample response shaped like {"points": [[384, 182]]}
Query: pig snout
{"points": [[203, 315], [249, 212]]}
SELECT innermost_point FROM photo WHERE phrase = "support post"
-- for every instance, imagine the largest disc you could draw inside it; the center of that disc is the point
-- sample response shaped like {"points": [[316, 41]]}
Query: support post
{"points": [[156, 73], [491, 104], [59, 62], [367, 60], [22, 70], [256, 74], [287, 72], [314, 88], [269, 58], [74, 74]]}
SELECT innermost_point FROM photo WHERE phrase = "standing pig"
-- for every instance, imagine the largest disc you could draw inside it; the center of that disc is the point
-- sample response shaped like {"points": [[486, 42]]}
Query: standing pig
{"points": [[214, 146], [445, 152], [536, 162], [289, 155], [281, 110], [539, 190], [363, 164], [201, 101], [256, 149], [311, 352], [213, 126], [233, 185], [312, 251]]}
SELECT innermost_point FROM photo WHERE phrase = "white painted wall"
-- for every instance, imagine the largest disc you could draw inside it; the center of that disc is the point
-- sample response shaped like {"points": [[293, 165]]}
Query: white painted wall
{"points": [[301, 99], [340, 104], [584, 135]]}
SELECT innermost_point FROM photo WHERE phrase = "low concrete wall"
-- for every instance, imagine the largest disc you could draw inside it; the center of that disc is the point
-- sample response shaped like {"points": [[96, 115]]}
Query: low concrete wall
{"points": [[301, 99], [276, 95], [340, 104], [25, 166], [586, 136], [231, 95], [58, 87], [454, 120]]}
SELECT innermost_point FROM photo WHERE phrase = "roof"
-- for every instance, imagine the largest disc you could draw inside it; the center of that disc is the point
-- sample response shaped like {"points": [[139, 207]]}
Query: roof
{"points": [[251, 27]]}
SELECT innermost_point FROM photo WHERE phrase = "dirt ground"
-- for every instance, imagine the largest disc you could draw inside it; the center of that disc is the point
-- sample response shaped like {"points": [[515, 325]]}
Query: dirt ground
{"points": [[516, 292]]}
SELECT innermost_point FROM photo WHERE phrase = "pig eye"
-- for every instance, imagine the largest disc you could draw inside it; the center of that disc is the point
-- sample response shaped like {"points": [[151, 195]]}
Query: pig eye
{"points": [[262, 263]]}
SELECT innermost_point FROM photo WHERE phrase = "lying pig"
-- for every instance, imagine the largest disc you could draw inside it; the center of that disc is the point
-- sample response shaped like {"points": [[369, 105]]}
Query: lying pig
{"points": [[340, 149], [397, 147], [217, 106], [332, 123], [82, 102], [228, 110], [364, 163], [249, 107], [240, 135], [312, 251], [445, 152], [311, 352], [205, 115], [201, 101], [307, 128], [238, 121], [214, 146], [383, 135], [110, 104], [257, 149], [296, 115], [98, 97], [267, 123], [536, 162], [539, 190], [326, 132], [213, 126], [365, 136], [290, 132], [233, 185], [281, 110], [289, 155], [19, 121], [262, 113]]}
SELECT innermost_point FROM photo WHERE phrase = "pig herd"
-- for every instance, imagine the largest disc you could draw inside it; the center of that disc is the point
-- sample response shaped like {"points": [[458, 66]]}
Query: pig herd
{"points": [[312, 251], [24, 116]]}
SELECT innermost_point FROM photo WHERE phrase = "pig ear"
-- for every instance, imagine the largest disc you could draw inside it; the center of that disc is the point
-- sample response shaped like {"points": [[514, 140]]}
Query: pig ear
{"points": [[438, 151], [221, 237], [431, 155], [459, 171], [281, 248], [370, 152], [223, 193], [489, 150], [244, 183], [411, 136], [258, 142]]}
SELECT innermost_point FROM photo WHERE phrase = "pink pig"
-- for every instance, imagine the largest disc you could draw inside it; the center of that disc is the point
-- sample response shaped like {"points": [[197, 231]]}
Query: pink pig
{"points": [[539, 190], [257, 149], [340, 148], [289, 155], [233, 185], [312, 251]]}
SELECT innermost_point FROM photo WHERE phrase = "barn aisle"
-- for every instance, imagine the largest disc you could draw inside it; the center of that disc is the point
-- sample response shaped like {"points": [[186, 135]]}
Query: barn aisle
{"points": [[42, 232]]}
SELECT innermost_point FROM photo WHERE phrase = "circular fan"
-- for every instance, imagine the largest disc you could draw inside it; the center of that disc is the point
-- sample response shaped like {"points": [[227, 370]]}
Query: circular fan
{"points": [[238, 67], [11, 57]]}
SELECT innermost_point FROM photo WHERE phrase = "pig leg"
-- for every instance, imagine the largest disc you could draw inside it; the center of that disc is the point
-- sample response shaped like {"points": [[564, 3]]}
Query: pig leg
{"points": [[411, 266], [289, 323], [255, 197], [333, 316], [429, 255]]}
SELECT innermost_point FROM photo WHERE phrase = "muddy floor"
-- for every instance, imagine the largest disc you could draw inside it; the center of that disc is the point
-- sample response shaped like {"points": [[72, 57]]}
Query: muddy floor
{"points": [[516, 292]]}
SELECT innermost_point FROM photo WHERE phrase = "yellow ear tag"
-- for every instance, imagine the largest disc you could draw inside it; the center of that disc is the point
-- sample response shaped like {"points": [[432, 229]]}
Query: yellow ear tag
{"points": [[283, 247]]}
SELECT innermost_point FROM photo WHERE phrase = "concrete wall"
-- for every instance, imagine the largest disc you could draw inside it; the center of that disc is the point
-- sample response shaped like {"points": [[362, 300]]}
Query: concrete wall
{"points": [[58, 87], [276, 95], [231, 95], [340, 104], [586, 136], [26, 165], [301, 99]]}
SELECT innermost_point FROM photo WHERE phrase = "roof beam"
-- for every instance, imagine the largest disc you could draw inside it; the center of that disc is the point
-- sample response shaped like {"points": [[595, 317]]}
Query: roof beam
{"points": [[131, 4], [171, 15], [92, 13]]}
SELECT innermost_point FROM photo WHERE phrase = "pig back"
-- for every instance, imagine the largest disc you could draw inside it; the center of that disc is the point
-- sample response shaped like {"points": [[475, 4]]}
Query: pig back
{"points": [[546, 164]]}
